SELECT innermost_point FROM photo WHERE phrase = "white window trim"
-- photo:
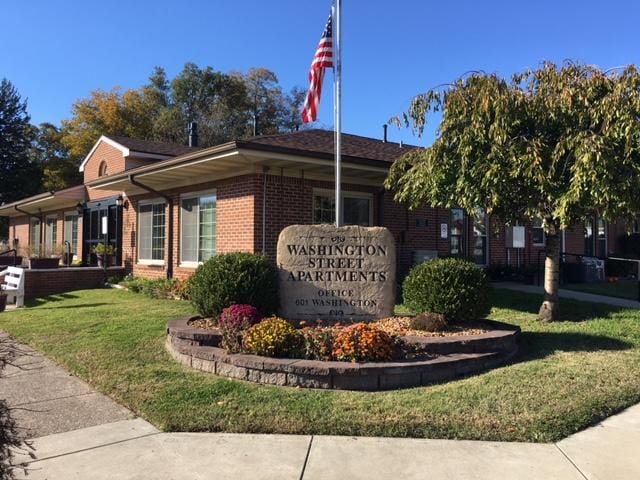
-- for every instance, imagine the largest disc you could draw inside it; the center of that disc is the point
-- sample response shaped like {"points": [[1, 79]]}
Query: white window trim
{"points": [[148, 261], [487, 228], [544, 236], [186, 196], [343, 194], [64, 223], [33, 220], [47, 229]]}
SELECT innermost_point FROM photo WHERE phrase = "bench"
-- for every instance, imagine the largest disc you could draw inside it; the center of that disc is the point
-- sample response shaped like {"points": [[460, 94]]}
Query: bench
{"points": [[13, 284]]}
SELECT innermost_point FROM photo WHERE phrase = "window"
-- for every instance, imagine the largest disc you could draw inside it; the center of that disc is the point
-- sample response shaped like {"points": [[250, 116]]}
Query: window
{"points": [[457, 232], [602, 238], [34, 233], [151, 217], [51, 234], [588, 237], [71, 231], [198, 228], [357, 208], [480, 237], [102, 169], [636, 226], [537, 232]]}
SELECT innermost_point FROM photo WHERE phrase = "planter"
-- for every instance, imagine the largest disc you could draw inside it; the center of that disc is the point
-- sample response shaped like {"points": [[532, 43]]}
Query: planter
{"points": [[453, 357], [7, 261], [44, 263], [3, 303]]}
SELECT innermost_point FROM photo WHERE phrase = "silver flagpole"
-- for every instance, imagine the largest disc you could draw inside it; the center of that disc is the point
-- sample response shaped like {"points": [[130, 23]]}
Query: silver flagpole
{"points": [[337, 99]]}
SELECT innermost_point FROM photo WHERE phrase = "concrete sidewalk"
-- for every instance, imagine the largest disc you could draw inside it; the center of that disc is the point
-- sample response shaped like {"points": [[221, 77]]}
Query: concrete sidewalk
{"points": [[585, 297], [132, 449], [47, 399], [97, 439]]}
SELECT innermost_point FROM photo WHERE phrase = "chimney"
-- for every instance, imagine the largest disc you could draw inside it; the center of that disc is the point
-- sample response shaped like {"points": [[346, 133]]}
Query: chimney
{"points": [[193, 134], [384, 129]]}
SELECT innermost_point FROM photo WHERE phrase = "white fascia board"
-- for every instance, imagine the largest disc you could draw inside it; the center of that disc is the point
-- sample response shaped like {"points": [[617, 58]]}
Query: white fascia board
{"points": [[108, 141]]}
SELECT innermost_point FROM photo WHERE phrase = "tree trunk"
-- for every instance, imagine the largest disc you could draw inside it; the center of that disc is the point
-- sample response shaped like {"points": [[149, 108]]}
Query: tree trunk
{"points": [[549, 310]]}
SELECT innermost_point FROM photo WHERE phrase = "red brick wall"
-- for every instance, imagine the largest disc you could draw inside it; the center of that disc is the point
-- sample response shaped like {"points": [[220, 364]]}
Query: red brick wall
{"points": [[290, 201], [39, 283], [115, 164]]}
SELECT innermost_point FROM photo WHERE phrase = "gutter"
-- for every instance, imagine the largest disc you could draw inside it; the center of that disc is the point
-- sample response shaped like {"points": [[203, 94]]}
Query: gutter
{"points": [[169, 200]]}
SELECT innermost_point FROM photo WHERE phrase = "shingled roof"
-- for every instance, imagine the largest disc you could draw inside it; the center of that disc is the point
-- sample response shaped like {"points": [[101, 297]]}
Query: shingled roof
{"points": [[322, 142], [148, 146]]}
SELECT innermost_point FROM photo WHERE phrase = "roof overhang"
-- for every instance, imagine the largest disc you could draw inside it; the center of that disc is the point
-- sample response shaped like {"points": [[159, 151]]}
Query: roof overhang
{"points": [[45, 202], [126, 152], [235, 159]]}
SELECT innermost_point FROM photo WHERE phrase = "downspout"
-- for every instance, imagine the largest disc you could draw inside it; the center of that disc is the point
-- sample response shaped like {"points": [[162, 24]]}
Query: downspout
{"points": [[264, 209], [169, 200]]}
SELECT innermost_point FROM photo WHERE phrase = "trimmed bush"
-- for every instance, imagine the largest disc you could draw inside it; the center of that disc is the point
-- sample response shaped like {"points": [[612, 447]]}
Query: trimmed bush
{"points": [[429, 322], [363, 342], [243, 278], [274, 337], [455, 288]]}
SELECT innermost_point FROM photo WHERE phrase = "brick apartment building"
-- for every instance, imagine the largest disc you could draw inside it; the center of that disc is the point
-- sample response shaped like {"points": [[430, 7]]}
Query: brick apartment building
{"points": [[165, 208]]}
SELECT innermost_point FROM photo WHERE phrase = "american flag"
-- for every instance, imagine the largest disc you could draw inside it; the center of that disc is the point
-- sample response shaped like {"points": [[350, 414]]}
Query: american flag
{"points": [[321, 60]]}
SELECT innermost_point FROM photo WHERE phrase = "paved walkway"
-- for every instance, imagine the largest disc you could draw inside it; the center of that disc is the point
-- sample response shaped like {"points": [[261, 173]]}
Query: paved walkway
{"points": [[585, 297], [117, 446]]}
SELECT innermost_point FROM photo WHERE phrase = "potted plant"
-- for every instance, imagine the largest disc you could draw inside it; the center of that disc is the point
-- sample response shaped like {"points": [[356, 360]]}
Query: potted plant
{"points": [[104, 254], [43, 258], [3, 301]]}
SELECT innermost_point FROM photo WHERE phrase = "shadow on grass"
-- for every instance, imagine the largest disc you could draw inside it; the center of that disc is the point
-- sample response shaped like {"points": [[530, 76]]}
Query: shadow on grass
{"points": [[50, 298], [570, 310], [537, 345]]}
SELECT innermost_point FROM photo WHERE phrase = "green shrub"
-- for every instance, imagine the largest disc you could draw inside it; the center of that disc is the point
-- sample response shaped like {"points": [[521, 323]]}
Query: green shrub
{"points": [[274, 337], [158, 288], [429, 322], [455, 288], [243, 278]]}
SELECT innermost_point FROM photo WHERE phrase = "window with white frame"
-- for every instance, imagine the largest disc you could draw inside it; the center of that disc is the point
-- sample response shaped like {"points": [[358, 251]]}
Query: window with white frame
{"points": [[34, 232], [151, 231], [456, 230], [71, 231], [357, 208], [537, 232], [51, 234], [480, 250], [197, 228]]}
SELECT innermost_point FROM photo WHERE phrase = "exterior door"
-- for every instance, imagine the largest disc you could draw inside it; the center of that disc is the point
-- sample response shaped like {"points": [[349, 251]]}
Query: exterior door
{"points": [[102, 223]]}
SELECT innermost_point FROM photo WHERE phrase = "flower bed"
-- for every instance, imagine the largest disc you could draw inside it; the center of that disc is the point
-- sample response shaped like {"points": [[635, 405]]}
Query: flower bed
{"points": [[443, 358]]}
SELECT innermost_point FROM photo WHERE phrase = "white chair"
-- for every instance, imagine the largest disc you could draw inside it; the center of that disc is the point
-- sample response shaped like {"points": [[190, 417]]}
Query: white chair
{"points": [[13, 284]]}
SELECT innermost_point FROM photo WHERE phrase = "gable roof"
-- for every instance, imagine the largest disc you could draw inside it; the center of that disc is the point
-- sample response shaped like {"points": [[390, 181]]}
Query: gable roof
{"points": [[321, 142], [132, 147]]}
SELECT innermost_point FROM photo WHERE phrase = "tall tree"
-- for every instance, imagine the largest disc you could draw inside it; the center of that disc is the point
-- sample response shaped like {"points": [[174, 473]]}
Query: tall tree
{"points": [[267, 104], [107, 113], [19, 173], [557, 144], [59, 168], [294, 101]]}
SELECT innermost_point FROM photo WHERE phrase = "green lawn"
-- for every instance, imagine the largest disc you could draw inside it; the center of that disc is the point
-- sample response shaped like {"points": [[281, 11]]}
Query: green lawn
{"points": [[622, 289], [567, 376]]}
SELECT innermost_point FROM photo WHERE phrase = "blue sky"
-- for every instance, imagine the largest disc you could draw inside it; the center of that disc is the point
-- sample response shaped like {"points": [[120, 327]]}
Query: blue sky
{"points": [[57, 51]]}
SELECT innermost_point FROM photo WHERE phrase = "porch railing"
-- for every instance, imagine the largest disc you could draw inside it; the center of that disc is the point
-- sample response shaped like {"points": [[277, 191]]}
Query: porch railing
{"points": [[579, 258]]}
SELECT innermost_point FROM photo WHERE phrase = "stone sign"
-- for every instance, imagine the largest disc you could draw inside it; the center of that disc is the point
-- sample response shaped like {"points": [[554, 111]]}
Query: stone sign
{"points": [[336, 273]]}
